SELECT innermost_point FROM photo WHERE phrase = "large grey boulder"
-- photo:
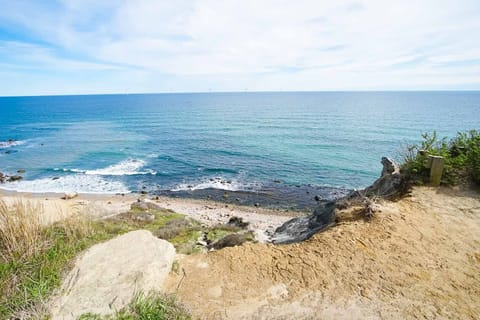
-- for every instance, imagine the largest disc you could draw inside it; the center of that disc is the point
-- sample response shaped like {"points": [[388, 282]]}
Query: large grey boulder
{"points": [[107, 276]]}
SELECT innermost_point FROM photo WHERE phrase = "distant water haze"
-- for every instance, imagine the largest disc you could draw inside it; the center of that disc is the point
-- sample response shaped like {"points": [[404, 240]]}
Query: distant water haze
{"points": [[231, 141]]}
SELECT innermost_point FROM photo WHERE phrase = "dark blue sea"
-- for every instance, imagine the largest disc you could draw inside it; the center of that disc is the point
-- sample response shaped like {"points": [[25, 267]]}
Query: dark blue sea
{"points": [[246, 142]]}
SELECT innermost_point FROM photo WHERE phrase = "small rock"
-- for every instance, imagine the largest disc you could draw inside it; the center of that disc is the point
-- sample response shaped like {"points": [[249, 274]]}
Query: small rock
{"points": [[55, 178], [318, 198], [257, 204], [237, 222], [145, 217], [231, 240], [202, 243], [143, 192], [21, 171], [69, 195]]}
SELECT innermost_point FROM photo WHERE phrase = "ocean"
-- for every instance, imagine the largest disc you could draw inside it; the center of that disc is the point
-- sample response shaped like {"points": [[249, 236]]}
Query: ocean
{"points": [[281, 144]]}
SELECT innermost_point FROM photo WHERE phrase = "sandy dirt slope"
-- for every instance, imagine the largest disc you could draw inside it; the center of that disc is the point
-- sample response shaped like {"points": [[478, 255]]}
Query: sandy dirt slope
{"points": [[418, 258]]}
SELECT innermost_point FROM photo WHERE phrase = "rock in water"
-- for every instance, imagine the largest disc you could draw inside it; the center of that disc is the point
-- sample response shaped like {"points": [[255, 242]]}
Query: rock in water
{"points": [[107, 276], [302, 228], [14, 178]]}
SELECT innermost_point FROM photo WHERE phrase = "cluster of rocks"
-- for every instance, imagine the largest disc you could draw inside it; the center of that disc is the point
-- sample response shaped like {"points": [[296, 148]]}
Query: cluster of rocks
{"points": [[6, 178]]}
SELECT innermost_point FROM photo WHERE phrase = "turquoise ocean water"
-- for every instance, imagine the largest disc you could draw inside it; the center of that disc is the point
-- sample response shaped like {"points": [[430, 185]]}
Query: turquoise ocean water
{"points": [[232, 141]]}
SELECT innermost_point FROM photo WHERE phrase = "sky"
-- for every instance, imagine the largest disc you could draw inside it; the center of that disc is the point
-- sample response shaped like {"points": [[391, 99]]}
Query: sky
{"points": [[140, 46]]}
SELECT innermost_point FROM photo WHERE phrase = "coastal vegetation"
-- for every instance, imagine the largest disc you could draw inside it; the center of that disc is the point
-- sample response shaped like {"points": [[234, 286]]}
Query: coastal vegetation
{"points": [[461, 154], [147, 306], [34, 256]]}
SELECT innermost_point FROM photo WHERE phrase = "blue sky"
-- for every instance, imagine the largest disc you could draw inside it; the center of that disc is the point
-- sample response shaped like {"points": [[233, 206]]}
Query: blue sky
{"points": [[92, 46]]}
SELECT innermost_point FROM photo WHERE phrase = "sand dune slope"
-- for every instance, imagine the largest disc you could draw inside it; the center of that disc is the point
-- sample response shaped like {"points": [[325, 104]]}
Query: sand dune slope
{"points": [[418, 258]]}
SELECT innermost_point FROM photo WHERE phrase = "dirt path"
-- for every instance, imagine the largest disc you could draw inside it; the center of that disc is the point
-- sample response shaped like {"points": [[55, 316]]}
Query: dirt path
{"points": [[418, 258]]}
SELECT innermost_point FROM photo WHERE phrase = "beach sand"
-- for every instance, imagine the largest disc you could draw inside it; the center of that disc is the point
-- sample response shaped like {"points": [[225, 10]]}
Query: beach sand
{"points": [[262, 221]]}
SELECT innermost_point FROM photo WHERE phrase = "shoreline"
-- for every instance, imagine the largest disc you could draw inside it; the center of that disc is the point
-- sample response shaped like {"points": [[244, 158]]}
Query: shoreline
{"points": [[262, 221]]}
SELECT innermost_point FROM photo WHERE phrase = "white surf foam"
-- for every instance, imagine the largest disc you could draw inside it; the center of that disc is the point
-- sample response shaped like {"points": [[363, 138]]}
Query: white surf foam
{"points": [[9, 144], [124, 168], [218, 183], [72, 183]]}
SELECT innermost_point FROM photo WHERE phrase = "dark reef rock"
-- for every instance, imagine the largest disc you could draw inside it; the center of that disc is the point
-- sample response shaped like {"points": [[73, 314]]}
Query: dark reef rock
{"points": [[14, 178]]}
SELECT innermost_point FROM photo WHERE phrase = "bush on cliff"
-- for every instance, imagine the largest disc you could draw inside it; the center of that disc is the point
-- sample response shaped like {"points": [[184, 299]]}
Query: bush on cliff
{"points": [[461, 154]]}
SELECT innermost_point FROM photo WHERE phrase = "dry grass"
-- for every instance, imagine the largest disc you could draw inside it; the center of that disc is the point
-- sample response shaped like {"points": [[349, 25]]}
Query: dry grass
{"points": [[33, 255], [21, 231]]}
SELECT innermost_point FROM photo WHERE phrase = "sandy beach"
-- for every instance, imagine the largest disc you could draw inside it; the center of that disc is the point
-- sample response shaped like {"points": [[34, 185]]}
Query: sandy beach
{"points": [[262, 221]]}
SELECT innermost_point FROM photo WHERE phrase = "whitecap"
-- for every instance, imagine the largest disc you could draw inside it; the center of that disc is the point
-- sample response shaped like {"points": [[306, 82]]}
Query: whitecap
{"points": [[10, 143], [218, 183], [72, 183], [124, 168]]}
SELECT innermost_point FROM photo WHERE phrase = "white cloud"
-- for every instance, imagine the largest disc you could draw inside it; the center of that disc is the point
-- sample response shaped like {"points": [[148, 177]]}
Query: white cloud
{"points": [[262, 45]]}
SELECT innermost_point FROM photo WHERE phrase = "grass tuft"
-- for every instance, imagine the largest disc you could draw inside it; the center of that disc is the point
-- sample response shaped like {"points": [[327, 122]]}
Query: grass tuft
{"points": [[21, 231], [152, 306], [33, 256]]}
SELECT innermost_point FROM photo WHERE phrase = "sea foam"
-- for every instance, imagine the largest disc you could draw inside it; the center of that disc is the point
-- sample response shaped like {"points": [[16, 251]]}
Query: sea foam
{"points": [[10, 143], [218, 183], [72, 183], [124, 168]]}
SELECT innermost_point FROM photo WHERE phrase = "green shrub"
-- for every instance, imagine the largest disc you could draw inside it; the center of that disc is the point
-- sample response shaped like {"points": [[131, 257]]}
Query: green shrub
{"points": [[461, 154]]}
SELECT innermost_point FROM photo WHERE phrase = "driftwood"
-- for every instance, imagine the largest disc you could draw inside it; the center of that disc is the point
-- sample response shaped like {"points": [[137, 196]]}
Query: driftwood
{"points": [[390, 185]]}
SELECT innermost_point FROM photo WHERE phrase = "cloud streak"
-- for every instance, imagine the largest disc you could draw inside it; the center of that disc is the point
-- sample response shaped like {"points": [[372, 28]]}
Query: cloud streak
{"points": [[155, 46]]}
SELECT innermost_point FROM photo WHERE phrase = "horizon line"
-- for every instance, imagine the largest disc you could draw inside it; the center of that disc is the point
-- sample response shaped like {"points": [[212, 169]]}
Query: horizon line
{"points": [[231, 92]]}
